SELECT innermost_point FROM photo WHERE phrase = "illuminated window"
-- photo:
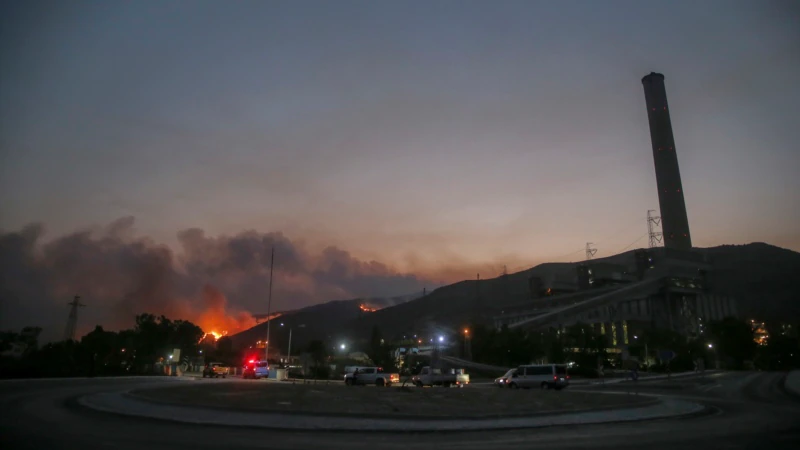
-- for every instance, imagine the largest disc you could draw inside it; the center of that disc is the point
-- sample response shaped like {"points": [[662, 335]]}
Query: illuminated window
{"points": [[613, 334], [625, 331], [603, 329]]}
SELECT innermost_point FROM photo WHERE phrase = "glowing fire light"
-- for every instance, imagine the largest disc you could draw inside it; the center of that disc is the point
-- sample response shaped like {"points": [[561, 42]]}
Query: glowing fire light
{"points": [[216, 335], [366, 308]]}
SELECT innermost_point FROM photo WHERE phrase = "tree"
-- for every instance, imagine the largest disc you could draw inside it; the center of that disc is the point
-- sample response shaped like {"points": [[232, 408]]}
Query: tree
{"points": [[378, 352], [97, 348], [733, 340], [318, 355], [505, 347]]}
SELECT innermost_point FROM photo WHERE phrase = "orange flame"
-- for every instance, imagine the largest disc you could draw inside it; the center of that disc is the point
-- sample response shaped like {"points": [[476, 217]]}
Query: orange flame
{"points": [[214, 334], [366, 308]]}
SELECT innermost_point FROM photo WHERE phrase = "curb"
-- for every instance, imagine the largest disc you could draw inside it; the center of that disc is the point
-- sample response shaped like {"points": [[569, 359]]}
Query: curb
{"points": [[402, 417], [790, 392], [109, 403]]}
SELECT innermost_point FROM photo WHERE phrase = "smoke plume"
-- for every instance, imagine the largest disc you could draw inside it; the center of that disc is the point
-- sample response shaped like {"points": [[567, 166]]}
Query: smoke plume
{"points": [[215, 281]]}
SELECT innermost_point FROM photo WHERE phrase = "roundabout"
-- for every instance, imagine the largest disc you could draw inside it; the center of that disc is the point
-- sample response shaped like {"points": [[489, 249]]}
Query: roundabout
{"points": [[740, 410]]}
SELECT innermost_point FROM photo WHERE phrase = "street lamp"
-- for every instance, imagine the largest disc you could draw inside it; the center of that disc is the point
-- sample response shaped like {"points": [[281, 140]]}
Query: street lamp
{"points": [[289, 352], [716, 356], [441, 338], [343, 346]]}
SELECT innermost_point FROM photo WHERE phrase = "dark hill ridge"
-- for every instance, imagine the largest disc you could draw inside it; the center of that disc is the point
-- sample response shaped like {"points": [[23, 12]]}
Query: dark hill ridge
{"points": [[763, 278], [320, 321]]}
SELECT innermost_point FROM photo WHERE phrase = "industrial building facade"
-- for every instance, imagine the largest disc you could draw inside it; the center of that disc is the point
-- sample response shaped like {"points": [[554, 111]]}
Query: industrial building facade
{"points": [[665, 287]]}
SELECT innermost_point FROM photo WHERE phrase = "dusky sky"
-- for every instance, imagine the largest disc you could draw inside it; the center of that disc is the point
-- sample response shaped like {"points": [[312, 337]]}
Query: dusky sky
{"points": [[438, 138]]}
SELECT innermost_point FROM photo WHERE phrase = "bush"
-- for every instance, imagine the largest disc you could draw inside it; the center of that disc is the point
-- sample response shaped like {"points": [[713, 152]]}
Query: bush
{"points": [[321, 372], [583, 372]]}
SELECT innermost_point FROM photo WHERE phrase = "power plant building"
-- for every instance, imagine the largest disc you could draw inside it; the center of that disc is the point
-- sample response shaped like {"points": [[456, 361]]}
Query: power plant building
{"points": [[622, 295]]}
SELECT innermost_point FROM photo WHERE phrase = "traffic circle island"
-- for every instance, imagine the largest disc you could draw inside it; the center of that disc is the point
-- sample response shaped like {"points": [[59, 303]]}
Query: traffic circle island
{"points": [[335, 407]]}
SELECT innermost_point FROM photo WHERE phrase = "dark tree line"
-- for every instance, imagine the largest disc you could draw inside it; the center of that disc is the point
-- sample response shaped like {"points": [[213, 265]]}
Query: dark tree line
{"points": [[101, 352], [728, 343]]}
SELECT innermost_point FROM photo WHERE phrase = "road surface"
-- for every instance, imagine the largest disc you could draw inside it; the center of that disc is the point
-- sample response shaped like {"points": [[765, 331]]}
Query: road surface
{"points": [[751, 410]]}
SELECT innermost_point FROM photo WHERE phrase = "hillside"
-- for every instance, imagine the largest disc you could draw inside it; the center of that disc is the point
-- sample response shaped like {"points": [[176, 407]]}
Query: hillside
{"points": [[318, 321], [763, 278]]}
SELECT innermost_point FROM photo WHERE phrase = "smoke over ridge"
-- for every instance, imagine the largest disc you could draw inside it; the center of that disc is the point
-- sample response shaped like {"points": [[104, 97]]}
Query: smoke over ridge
{"points": [[214, 281]]}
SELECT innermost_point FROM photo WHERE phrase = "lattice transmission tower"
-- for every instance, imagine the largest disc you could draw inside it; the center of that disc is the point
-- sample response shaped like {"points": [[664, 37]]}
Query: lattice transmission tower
{"points": [[590, 252], [653, 222], [72, 320]]}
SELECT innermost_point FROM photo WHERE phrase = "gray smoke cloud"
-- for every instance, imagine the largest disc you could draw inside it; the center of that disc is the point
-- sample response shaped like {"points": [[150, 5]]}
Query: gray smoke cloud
{"points": [[214, 280]]}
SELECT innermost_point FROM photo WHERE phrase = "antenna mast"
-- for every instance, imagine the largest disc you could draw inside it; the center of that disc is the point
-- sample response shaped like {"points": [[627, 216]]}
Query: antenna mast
{"points": [[269, 305]]}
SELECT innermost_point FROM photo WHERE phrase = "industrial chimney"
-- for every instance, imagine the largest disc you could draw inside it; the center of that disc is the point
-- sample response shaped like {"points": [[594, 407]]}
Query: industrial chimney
{"points": [[674, 221]]}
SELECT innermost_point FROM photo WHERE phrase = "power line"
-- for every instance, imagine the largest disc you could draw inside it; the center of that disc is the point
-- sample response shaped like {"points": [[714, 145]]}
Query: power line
{"points": [[634, 242], [569, 254]]}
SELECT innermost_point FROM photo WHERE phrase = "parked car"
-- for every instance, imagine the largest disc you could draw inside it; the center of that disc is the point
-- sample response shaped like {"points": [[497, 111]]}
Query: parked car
{"points": [[502, 381], [546, 376], [215, 370], [370, 375], [255, 370], [435, 377]]}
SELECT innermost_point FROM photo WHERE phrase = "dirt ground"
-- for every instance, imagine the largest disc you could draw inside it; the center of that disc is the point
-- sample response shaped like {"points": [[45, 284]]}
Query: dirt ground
{"points": [[392, 401]]}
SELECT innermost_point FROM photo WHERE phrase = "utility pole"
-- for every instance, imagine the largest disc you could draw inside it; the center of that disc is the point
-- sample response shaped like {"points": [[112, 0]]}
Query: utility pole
{"points": [[478, 290], [72, 320], [652, 223], [269, 304], [289, 352], [590, 252]]}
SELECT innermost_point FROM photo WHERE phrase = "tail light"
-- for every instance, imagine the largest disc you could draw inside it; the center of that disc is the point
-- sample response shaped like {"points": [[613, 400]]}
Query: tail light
{"points": [[568, 377], [555, 377]]}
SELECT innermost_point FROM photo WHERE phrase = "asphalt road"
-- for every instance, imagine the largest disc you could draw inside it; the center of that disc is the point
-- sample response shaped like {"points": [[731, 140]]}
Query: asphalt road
{"points": [[751, 410]]}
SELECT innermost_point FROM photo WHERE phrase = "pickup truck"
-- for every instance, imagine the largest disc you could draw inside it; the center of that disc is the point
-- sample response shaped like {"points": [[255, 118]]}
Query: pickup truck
{"points": [[370, 375], [435, 377], [215, 370]]}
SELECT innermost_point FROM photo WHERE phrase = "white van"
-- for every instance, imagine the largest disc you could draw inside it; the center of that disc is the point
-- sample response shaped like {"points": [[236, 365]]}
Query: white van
{"points": [[545, 376]]}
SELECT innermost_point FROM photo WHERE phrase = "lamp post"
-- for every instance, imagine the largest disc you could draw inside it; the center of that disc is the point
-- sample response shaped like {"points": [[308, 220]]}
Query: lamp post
{"points": [[289, 352], [716, 357], [467, 347]]}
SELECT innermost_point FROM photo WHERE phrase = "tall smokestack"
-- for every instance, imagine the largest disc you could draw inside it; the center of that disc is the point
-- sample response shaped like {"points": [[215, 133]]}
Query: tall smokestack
{"points": [[674, 221]]}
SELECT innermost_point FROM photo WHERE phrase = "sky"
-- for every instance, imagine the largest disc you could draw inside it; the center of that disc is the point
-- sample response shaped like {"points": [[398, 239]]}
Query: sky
{"points": [[387, 146]]}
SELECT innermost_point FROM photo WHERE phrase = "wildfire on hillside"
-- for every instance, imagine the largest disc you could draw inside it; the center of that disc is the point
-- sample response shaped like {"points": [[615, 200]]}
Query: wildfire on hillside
{"points": [[366, 308], [218, 319], [213, 334]]}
